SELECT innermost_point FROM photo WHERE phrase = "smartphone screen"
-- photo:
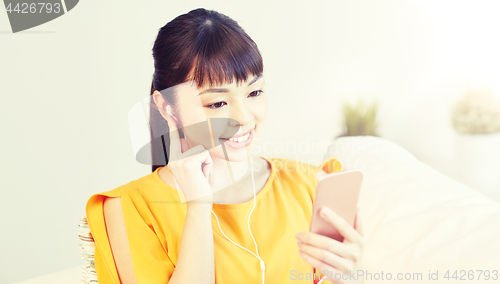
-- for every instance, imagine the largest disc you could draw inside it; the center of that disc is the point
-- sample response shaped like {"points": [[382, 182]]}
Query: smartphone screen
{"points": [[340, 192]]}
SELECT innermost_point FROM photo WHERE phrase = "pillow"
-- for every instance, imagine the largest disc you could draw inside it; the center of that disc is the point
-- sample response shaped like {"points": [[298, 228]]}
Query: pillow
{"points": [[417, 220]]}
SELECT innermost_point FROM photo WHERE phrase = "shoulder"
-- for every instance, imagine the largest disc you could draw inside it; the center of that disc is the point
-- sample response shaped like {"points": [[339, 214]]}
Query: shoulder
{"points": [[132, 196], [329, 165], [292, 170], [300, 178], [290, 166], [139, 188], [111, 205], [297, 170]]}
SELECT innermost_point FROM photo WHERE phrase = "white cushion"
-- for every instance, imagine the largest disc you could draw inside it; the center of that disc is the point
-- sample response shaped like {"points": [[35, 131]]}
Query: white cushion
{"points": [[417, 219]]}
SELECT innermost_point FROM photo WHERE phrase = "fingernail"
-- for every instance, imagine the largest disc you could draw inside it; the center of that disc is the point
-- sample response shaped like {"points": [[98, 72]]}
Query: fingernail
{"points": [[299, 236]]}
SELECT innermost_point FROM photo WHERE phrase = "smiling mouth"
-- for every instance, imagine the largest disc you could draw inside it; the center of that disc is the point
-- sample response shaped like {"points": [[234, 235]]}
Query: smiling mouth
{"points": [[239, 138]]}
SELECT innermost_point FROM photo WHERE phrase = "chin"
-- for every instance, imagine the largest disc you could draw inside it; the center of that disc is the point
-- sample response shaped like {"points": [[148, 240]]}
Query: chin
{"points": [[233, 155]]}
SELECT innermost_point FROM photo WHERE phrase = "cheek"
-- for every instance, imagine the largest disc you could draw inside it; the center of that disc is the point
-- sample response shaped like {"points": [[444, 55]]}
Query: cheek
{"points": [[194, 123], [259, 116], [198, 134], [261, 111], [192, 116]]}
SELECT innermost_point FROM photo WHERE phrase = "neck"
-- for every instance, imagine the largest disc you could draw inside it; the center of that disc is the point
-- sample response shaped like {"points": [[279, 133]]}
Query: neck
{"points": [[230, 178], [228, 173]]}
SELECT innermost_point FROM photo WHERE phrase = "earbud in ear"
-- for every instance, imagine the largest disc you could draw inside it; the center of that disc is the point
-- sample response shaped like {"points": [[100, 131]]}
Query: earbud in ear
{"points": [[169, 111]]}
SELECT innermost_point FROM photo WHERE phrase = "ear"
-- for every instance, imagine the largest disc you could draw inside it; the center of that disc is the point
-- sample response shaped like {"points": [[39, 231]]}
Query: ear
{"points": [[162, 106], [160, 103]]}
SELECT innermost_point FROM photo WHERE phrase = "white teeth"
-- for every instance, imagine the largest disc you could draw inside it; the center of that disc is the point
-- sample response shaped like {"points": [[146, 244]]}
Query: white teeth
{"points": [[240, 139]]}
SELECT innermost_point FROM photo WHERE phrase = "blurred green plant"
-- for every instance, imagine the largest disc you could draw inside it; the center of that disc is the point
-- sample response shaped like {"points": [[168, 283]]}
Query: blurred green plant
{"points": [[476, 112], [360, 118]]}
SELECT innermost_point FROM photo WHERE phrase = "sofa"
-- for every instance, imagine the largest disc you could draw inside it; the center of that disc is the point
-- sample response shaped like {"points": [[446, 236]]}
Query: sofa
{"points": [[420, 225]]}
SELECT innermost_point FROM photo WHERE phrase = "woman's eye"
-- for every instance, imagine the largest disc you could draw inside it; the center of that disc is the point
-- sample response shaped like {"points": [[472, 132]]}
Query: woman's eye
{"points": [[255, 93], [217, 105]]}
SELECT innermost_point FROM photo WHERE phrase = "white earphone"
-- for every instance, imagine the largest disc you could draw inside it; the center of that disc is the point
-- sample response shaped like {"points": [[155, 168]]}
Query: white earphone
{"points": [[262, 264], [169, 111]]}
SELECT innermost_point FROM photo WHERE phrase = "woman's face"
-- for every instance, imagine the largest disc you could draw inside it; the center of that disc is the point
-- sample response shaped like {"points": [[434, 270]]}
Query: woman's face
{"points": [[234, 115]]}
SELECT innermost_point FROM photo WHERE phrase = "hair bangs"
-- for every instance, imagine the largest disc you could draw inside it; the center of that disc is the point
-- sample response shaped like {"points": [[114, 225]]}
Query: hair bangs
{"points": [[224, 55]]}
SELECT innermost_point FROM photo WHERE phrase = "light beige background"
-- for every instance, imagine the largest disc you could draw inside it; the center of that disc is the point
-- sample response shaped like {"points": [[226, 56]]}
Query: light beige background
{"points": [[67, 86]]}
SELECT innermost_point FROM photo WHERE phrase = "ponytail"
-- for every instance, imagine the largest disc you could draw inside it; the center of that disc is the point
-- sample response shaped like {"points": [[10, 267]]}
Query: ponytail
{"points": [[159, 145]]}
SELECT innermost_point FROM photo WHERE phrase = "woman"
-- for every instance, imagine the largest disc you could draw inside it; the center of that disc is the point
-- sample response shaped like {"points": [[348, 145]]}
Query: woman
{"points": [[189, 221]]}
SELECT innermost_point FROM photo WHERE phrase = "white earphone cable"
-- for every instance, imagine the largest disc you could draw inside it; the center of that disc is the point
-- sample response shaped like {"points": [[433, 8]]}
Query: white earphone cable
{"points": [[262, 264], [322, 279]]}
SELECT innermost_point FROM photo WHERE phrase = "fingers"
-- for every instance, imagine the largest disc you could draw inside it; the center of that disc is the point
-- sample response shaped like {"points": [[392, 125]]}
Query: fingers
{"points": [[320, 266], [207, 166], [340, 250], [198, 155], [326, 256], [194, 152], [192, 167], [346, 230], [358, 224]]}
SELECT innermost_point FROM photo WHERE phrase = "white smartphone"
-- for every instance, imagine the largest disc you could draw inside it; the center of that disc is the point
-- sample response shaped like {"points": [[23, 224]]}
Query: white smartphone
{"points": [[340, 192]]}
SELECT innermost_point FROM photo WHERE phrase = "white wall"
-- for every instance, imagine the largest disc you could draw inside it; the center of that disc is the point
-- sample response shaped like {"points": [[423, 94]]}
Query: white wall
{"points": [[67, 87]]}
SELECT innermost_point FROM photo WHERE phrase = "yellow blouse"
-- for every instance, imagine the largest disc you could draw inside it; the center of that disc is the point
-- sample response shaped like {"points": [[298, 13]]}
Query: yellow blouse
{"points": [[154, 228]]}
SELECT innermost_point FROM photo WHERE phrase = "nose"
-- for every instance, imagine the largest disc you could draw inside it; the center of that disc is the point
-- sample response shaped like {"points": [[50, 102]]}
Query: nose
{"points": [[240, 114]]}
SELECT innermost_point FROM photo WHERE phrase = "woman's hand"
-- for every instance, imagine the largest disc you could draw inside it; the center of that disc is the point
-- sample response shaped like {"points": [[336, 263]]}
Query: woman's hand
{"points": [[336, 257], [191, 167]]}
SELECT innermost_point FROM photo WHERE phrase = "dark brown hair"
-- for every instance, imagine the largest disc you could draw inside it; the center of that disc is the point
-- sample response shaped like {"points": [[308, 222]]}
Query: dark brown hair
{"points": [[210, 45]]}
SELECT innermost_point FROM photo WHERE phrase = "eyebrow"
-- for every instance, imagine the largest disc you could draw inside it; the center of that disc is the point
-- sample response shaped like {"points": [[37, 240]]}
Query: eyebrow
{"points": [[226, 90]]}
